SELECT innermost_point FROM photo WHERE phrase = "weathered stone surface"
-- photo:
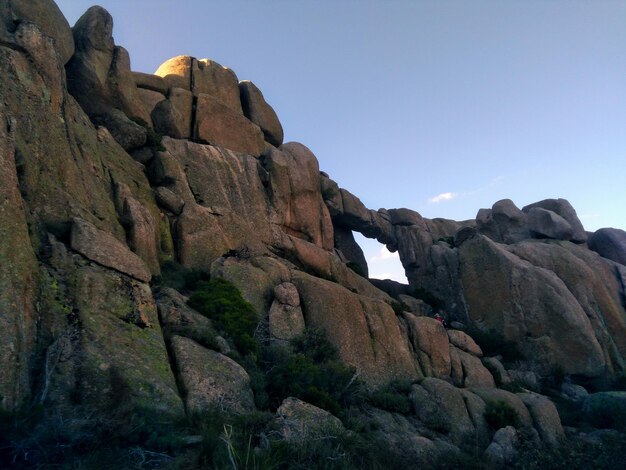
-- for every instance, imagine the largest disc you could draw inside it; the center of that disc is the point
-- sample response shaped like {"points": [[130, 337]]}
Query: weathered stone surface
{"points": [[563, 208], [545, 417], [106, 250], [344, 242], [50, 21], [259, 112], [210, 379], [150, 99], [417, 306], [285, 316], [365, 332], [497, 370], [464, 342], [524, 378], [176, 71], [610, 243], [573, 392], [286, 293], [148, 81], [220, 125], [142, 232], [298, 421], [494, 395], [529, 305], [430, 342], [296, 195], [504, 222], [172, 117], [441, 407], [468, 371], [127, 133], [98, 74], [502, 451], [211, 78], [169, 200], [18, 270], [547, 224], [331, 195]]}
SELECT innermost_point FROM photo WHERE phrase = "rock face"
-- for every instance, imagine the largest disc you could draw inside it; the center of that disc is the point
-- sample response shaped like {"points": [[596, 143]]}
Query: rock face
{"points": [[259, 112], [610, 243], [298, 421]]}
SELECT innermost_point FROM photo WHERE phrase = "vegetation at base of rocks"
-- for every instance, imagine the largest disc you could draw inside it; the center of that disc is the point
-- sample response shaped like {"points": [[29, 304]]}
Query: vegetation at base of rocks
{"points": [[153, 138], [603, 452], [493, 343], [393, 397], [499, 414], [356, 267], [222, 302], [178, 277], [427, 296]]}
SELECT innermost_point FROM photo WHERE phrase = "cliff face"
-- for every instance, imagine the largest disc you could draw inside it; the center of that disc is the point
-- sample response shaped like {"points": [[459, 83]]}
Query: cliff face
{"points": [[92, 204]]}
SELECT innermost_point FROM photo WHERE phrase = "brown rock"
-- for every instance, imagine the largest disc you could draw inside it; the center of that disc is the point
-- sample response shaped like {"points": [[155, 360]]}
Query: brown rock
{"points": [[106, 250], [147, 81], [365, 332], [287, 294], [285, 321], [259, 112], [211, 78], [150, 99], [430, 342], [218, 124], [127, 133], [474, 373], [172, 117], [169, 200], [464, 342], [545, 418], [50, 21], [210, 379], [176, 71]]}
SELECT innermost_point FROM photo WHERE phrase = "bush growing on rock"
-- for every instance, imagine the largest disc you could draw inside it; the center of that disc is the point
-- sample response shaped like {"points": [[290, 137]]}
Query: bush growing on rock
{"points": [[222, 302], [393, 397], [500, 415]]}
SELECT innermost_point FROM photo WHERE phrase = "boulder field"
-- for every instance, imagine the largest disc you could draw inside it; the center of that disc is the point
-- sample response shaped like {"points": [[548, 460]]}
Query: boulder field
{"points": [[109, 174]]}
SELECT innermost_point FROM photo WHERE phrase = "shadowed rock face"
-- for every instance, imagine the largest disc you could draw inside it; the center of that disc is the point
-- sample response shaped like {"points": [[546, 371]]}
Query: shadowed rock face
{"points": [[85, 226]]}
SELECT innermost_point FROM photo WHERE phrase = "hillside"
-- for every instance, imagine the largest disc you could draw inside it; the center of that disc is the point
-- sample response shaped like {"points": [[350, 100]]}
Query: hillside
{"points": [[179, 288]]}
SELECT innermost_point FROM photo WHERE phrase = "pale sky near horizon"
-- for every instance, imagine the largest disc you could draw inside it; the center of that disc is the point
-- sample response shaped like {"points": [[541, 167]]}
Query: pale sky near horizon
{"points": [[441, 106]]}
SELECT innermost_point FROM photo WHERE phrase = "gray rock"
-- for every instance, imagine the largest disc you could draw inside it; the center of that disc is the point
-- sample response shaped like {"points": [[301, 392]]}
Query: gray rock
{"points": [[502, 451], [547, 224], [497, 370], [610, 243], [169, 200], [416, 306], [105, 249], [464, 342], [573, 392], [298, 421], [563, 208]]}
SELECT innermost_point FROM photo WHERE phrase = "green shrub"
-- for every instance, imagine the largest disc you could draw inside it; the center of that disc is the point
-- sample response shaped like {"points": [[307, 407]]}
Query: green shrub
{"points": [[393, 397], [178, 277], [500, 414], [222, 302], [313, 343]]}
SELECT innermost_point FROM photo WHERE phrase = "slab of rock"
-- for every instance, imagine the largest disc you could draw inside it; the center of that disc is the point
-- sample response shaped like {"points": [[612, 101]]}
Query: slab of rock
{"points": [[468, 371], [172, 117], [176, 72], [211, 78], [547, 224], [259, 112], [502, 451], [298, 421], [431, 344], [286, 320], [563, 208], [497, 370], [464, 342], [150, 99], [148, 81], [127, 133], [416, 306], [211, 380], [220, 125], [169, 200], [545, 417], [50, 21], [610, 243], [105, 249]]}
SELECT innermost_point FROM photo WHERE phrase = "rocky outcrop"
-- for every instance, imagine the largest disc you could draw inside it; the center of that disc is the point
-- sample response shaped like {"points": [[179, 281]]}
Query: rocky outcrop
{"points": [[285, 316], [259, 112], [298, 421], [610, 243]]}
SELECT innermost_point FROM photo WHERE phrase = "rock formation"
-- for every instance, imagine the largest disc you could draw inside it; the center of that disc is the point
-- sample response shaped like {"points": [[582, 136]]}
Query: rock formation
{"points": [[94, 203]]}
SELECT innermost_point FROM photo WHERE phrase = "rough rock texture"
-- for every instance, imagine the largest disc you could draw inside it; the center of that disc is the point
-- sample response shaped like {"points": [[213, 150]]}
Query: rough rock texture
{"points": [[563, 208], [545, 417], [259, 112], [547, 224], [151, 82], [210, 379], [464, 342], [364, 331], [173, 117], [218, 124], [430, 342], [104, 249], [285, 316], [502, 451], [610, 243], [468, 371], [298, 421]]}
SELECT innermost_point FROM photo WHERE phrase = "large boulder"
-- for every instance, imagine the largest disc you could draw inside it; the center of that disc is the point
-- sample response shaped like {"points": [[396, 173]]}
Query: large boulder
{"points": [[504, 222], [610, 243], [259, 112], [365, 332], [502, 451], [173, 116], [218, 124], [528, 305], [545, 417], [210, 379], [48, 18], [563, 208], [430, 342], [547, 224], [298, 421], [285, 316], [99, 75], [468, 371]]}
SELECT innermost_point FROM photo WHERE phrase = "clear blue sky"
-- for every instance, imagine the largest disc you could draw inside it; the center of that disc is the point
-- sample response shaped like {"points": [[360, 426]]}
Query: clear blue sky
{"points": [[441, 106]]}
